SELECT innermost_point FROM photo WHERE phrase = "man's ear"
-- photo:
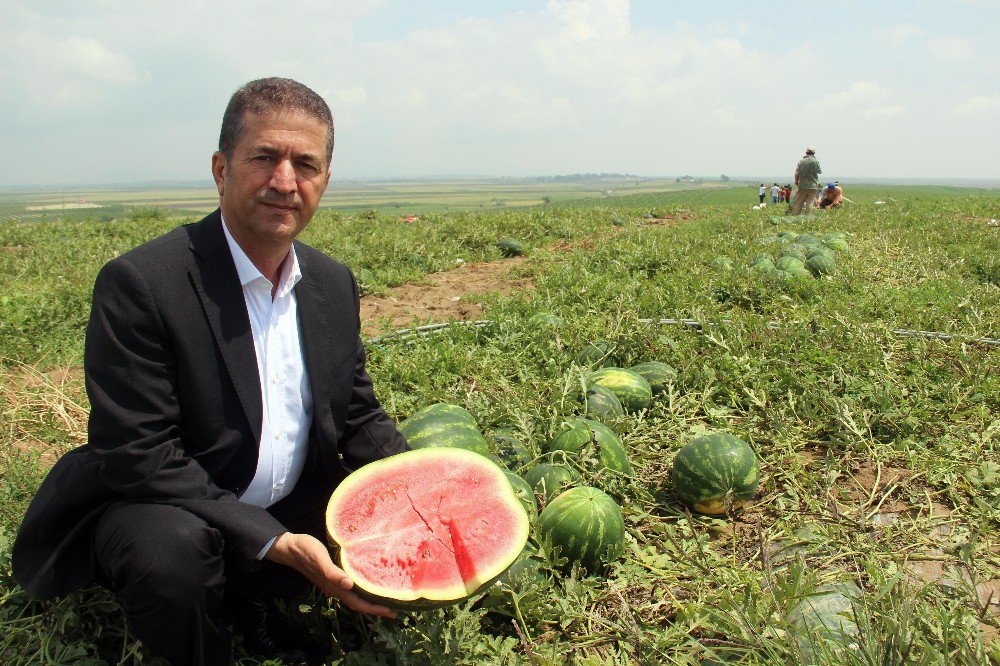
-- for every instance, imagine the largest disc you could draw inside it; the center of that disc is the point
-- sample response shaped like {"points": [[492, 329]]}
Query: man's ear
{"points": [[219, 166]]}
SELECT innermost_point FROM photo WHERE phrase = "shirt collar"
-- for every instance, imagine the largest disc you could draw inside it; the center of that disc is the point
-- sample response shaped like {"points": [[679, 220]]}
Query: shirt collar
{"points": [[248, 273]]}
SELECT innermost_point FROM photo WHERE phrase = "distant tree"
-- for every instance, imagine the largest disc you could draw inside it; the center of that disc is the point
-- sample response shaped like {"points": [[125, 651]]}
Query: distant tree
{"points": [[677, 180], [546, 200], [724, 178]]}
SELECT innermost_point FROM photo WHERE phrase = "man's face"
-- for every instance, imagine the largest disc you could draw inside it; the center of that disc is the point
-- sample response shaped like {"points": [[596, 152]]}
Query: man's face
{"points": [[271, 187]]}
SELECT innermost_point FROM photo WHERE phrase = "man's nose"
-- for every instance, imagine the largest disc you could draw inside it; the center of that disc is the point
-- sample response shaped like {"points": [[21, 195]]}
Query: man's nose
{"points": [[283, 177]]}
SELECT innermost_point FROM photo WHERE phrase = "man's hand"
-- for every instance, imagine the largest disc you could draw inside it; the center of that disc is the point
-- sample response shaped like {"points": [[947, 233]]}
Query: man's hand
{"points": [[307, 555]]}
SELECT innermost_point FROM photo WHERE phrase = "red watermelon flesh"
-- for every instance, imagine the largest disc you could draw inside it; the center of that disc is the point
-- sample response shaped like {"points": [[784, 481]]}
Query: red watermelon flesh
{"points": [[432, 524]]}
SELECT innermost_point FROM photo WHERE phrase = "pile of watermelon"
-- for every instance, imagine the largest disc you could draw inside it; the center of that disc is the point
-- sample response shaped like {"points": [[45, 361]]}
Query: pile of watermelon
{"points": [[801, 255]]}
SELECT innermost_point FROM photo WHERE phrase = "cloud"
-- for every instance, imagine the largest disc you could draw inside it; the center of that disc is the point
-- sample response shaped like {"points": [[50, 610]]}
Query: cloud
{"points": [[951, 49], [865, 98], [895, 36], [979, 105]]}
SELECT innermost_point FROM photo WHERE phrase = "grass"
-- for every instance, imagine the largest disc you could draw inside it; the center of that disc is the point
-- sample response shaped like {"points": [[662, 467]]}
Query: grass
{"points": [[879, 453]]}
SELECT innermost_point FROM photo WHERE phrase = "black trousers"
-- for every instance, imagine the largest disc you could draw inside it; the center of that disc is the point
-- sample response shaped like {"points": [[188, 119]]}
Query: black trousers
{"points": [[173, 575]]}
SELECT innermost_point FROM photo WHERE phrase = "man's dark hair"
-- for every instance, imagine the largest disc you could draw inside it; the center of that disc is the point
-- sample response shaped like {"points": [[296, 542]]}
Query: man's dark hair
{"points": [[270, 95]]}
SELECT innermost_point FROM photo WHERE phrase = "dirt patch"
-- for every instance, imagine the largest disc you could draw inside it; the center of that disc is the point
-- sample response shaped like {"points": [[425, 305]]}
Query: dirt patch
{"points": [[35, 402], [12, 249], [442, 296]]}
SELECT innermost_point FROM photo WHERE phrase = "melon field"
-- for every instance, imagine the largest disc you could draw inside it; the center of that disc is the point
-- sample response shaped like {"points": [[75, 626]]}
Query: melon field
{"points": [[864, 376]]}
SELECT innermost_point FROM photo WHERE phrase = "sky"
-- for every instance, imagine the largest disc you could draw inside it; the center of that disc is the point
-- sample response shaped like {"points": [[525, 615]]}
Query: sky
{"points": [[117, 91]]}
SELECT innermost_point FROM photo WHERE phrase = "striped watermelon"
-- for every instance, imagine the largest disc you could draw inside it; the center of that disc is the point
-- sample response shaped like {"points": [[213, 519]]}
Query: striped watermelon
{"points": [[545, 319], [712, 467], [587, 527], [524, 493], [722, 263], [550, 479], [444, 424], [632, 390], [658, 375], [797, 251], [820, 265], [510, 450], [824, 622], [586, 437], [597, 354], [601, 403], [425, 528], [510, 247], [789, 263]]}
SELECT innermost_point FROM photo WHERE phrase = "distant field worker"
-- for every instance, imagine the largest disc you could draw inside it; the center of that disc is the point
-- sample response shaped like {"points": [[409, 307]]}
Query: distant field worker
{"points": [[775, 193], [762, 192], [786, 195], [807, 173], [832, 197]]}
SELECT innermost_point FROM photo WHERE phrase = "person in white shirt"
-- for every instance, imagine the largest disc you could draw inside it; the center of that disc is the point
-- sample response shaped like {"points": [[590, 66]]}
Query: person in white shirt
{"points": [[229, 396]]}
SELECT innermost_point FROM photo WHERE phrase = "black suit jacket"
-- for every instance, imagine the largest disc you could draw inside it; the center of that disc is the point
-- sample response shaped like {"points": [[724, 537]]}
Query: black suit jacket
{"points": [[176, 406]]}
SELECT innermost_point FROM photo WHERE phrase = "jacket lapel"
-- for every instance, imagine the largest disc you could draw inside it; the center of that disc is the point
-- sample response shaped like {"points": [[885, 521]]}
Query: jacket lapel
{"points": [[218, 287]]}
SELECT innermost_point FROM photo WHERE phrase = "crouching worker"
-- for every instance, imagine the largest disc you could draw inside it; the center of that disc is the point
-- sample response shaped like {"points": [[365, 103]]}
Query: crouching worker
{"points": [[229, 397], [833, 196]]}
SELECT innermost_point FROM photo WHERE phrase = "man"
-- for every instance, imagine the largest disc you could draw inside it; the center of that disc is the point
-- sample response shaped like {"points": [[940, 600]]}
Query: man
{"points": [[775, 193], [762, 192], [833, 196], [228, 396], [807, 173]]}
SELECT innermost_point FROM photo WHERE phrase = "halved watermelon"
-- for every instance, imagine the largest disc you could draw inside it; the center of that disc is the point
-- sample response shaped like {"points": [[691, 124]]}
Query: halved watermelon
{"points": [[426, 528]]}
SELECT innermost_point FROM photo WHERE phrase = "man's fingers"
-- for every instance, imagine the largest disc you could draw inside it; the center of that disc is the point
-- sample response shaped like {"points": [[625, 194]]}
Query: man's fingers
{"points": [[354, 602]]}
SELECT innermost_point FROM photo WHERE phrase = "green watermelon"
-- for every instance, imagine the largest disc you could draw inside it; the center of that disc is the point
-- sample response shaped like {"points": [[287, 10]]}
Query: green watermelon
{"points": [[823, 623], [511, 451], [794, 250], [510, 247], [444, 424], [425, 528], [787, 263], [774, 220], [722, 263], [764, 266], [821, 265], [550, 479], [767, 240], [788, 235], [711, 467], [658, 375], [586, 525], [545, 319], [632, 390], [762, 256], [581, 436], [599, 354], [601, 403], [816, 250], [807, 239], [524, 493], [835, 243]]}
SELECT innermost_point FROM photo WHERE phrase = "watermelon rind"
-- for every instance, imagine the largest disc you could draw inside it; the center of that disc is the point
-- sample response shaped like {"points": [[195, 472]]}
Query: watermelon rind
{"points": [[550, 479], [402, 466], [657, 374], [632, 390], [601, 403], [820, 265], [597, 354], [586, 525], [510, 247], [580, 436], [443, 424], [710, 468], [510, 450]]}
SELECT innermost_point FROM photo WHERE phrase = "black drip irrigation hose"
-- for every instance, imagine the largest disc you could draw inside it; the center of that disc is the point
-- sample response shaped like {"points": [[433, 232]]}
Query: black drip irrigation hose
{"points": [[404, 334]]}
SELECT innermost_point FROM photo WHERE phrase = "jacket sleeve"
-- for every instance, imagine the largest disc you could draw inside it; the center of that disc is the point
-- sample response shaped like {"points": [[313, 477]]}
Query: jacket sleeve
{"points": [[369, 433], [135, 423]]}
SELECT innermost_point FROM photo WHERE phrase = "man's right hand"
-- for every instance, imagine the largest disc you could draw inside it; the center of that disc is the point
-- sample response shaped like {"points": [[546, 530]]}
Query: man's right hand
{"points": [[307, 555]]}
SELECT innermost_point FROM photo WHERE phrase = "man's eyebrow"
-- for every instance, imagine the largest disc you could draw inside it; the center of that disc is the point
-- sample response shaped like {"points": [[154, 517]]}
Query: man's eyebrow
{"points": [[271, 150]]}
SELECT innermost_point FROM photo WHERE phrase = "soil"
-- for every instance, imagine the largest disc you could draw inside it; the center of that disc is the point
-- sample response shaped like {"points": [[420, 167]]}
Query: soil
{"points": [[441, 296]]}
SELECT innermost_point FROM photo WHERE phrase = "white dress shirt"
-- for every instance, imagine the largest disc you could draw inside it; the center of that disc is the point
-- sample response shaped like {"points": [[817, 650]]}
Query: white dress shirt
{"points": [[284, 384]]}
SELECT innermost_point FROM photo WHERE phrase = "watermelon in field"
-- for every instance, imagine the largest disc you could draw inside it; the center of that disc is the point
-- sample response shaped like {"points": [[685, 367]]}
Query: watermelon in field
{"points": [[587, 527], [767, 240], [713, 467], [823, 623], [587, 437], [601, 403], [815, 250], [597, 354], [524, 493], [787, 263], [836, 243], [764, 266], [794, 250], [787, 235], [511, 451], [550, 479], [658, 375], [510, 247], [444, 424], [807, 239], [545, 319], [425, 528], [722, 263], [821, 265], [632, 390], [762, 256]]}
